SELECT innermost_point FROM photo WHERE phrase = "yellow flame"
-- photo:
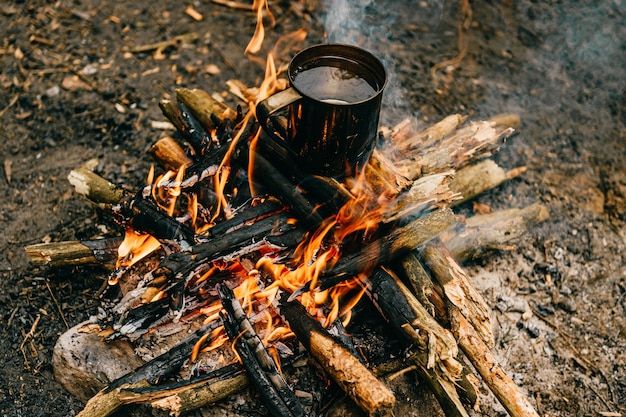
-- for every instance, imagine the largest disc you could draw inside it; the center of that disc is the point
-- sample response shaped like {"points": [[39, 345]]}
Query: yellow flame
{"points": [[135, 247], [256, 42]]}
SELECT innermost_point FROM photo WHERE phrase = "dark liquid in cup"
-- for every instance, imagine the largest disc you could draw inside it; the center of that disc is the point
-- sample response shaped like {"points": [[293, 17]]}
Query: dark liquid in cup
{"points": [[333, 85]]}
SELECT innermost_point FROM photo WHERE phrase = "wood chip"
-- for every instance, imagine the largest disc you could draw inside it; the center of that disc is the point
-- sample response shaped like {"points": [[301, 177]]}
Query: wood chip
{"points": [[74, 83], [8, 164], [193, 13]]}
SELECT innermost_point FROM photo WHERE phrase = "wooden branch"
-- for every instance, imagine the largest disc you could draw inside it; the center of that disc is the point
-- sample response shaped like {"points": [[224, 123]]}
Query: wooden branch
{"points": [[99, 252], [503, 387], [259, 365], [282, 188], [94, 187], [434, 349], [344, 368], [473, 180], [398, 242], [458, 288], [202, 105], [169, 154], [188, 396], [483, 233]]}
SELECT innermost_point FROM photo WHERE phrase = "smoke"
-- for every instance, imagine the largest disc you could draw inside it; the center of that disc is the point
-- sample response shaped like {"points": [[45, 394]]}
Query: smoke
{"points": [[365, 23]]}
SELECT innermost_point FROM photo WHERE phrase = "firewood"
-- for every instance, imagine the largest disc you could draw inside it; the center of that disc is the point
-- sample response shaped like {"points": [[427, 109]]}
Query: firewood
{"points": [[143, 215], [97, 189], [473, 180], [259, 365], [107, 401], [284, 189], [434, 351], [398, 242], [169, 154], [341, 366], [446, 145], [458, 288], [482, 233], [185, 397], [198, 136], [99, 252], [498, 381], [202, 105]]}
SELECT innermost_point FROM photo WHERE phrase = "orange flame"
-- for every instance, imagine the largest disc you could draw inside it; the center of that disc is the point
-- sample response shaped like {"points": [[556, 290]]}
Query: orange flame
{"points": [[256, 42], [135, 247]]}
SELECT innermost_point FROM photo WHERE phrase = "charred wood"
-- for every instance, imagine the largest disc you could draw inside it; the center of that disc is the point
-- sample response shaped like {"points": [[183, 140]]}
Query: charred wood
{"points": [[259, 365], [108, 400], [398, 242], [435, 349]]}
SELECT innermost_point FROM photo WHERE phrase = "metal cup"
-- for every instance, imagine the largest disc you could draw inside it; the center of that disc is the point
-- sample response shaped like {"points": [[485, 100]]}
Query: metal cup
{"points": [[332, 108]]}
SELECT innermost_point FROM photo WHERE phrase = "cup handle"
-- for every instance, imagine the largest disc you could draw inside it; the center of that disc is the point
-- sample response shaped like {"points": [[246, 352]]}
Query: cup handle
{"points": [[266, 108]]}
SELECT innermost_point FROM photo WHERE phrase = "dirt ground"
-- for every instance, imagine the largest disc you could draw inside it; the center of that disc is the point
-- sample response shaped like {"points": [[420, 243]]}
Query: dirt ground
{"points": [[72, 90]]}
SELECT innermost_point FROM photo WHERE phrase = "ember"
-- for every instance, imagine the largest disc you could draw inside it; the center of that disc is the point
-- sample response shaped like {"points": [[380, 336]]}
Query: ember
{"points": [[247, 248]]}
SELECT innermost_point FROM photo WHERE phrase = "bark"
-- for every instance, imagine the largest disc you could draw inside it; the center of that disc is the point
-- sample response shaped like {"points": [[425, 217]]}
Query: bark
{"points": [[341, 366], [458, 289], [483, 233], [99, 252]]}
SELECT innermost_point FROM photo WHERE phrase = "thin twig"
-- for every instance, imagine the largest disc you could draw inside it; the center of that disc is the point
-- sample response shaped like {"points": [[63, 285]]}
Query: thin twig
{"points": [[56, 303], [8, 106]]}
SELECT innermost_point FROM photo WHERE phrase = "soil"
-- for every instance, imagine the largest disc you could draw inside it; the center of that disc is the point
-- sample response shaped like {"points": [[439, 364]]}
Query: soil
{"points": [[72, 90]]}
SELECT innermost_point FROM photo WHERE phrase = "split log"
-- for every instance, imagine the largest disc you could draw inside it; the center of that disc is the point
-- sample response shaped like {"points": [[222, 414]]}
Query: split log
{"points": [[434, 351], [471, 340], [446, 144], [458, 288], [98, 252], [483, 233], [344, 368], [259, 365], [498, 381], [473, 180]]}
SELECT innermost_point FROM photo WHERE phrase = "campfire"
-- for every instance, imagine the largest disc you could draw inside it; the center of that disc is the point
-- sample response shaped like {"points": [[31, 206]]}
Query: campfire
{"points": [[248, 263]]}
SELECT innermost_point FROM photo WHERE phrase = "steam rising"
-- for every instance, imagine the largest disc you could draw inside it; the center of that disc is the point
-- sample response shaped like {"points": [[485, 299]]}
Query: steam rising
{"points": [[365, 23]]}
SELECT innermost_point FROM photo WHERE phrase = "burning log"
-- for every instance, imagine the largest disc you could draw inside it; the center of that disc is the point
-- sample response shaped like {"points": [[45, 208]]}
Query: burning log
{"points": [[98, 252], [143, 215], [398, 242], [339, 363], [259, 365]]}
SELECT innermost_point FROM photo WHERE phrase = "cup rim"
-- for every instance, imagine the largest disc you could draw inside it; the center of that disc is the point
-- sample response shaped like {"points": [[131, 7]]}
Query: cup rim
{"points": [[332, 49]]}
